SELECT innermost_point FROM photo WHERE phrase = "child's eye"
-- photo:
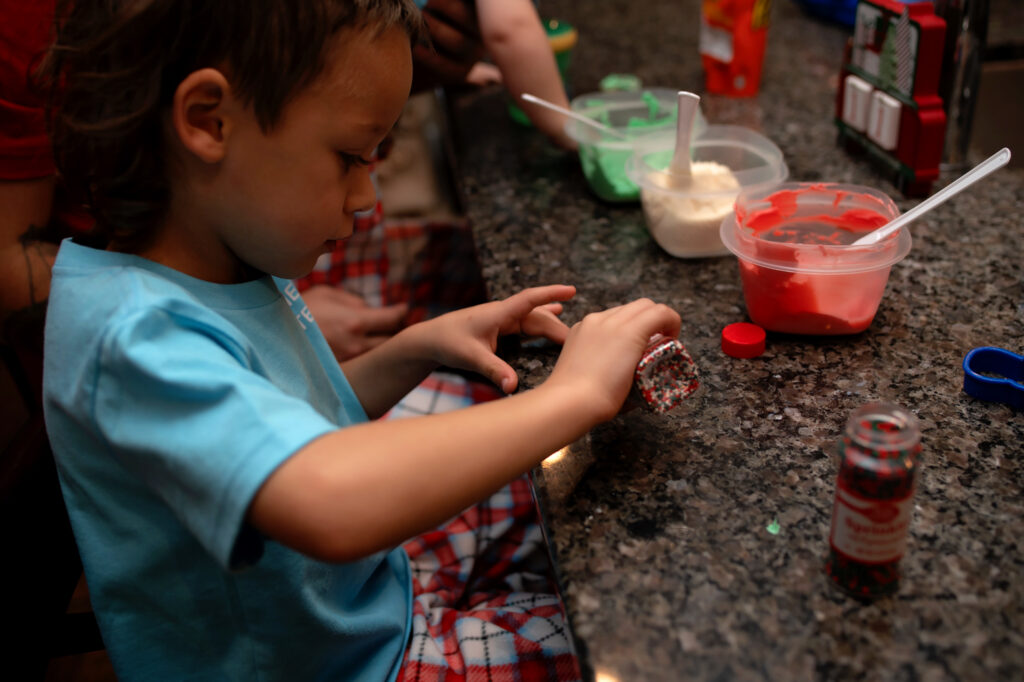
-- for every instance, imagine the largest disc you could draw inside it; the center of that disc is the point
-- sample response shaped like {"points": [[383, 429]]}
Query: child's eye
{"points": [[353, 160]]}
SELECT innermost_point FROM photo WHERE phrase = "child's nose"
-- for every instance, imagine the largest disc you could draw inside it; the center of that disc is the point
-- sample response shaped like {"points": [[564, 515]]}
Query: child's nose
{"points": [[363, 195]]}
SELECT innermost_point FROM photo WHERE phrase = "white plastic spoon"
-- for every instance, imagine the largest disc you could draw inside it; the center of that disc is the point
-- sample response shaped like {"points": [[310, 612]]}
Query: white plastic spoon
{"points": [[573, 115], [688, 105], [996, 161]]}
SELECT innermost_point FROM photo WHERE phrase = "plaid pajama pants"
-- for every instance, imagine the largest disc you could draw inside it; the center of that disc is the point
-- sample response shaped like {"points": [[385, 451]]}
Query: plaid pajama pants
{"points": [[484, 601]]}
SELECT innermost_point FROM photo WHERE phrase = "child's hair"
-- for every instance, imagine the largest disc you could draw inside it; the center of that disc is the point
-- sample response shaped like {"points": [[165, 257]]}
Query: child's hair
{"points": [[114, 67]]}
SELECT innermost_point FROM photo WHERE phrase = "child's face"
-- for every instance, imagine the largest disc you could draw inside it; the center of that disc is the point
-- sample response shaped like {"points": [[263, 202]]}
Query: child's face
{"points": [[287, 195]]}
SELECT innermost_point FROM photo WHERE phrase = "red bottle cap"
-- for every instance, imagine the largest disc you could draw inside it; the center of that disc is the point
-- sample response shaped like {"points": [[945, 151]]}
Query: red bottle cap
{"points": [[743, 340]]}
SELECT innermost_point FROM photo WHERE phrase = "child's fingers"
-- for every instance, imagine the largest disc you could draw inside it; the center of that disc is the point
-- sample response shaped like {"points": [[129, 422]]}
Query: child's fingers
{"points": [[553, 308], [501, 373], [637, 321], [543, 322], [335, 296], [627, 311], [657, 318], [386, 319], [642, 312], [348, 298], [520, 304]]}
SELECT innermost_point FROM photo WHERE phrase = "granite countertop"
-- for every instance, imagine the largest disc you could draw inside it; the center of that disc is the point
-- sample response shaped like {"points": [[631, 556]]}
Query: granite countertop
{"points": [[658, 525]]}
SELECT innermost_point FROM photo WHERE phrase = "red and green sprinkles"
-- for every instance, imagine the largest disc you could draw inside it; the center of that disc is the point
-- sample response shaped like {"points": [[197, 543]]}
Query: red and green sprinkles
{"points": [[878, 465], [666, 376]]}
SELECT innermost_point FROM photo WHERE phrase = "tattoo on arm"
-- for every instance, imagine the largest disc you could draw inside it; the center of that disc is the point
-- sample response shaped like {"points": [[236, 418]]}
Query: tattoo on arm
{"points": [[31, 241]]}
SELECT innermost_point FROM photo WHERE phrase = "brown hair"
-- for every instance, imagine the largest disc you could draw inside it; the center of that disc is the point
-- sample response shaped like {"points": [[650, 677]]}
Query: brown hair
{"points": [[115, 65]]}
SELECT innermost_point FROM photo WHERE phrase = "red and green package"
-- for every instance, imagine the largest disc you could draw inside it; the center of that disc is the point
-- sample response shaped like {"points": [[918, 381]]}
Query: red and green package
{"points": [[732, 41]]}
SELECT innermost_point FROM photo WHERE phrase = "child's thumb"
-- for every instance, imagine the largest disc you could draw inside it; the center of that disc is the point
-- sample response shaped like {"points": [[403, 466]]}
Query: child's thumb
{"points": [[502, 374]]}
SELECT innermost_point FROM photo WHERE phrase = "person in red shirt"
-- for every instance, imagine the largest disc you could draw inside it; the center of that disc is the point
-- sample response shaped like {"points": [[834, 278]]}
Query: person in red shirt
{"points": [[35, 216]]}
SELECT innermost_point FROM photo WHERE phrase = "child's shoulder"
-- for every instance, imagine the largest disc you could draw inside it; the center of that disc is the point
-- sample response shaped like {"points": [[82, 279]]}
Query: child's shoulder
{"points": [[107, 285], [108, 295]]}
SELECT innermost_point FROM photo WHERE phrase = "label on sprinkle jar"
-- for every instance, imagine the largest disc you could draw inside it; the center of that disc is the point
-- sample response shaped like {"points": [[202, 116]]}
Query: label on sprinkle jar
{"points": [[870, 531]]}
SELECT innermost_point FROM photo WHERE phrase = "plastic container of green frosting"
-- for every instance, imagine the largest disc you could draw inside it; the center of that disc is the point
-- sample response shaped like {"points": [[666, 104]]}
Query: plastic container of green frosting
{"points": [[645, 116]]}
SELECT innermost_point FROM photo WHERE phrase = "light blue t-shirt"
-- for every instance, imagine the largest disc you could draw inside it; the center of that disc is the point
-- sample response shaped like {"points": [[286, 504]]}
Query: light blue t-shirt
{"points": [[169, 401]]}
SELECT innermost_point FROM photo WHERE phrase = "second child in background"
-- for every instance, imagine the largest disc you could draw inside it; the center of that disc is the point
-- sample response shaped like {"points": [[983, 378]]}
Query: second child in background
{"points": [[516, 42]]}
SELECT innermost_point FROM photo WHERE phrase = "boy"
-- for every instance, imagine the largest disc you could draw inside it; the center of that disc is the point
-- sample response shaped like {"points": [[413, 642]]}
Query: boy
{"points": [[238, 514]]}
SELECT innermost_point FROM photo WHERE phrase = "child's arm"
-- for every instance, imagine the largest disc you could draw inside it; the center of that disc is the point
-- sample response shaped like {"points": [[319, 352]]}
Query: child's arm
{"points": [[514, 37], [369, 487]]}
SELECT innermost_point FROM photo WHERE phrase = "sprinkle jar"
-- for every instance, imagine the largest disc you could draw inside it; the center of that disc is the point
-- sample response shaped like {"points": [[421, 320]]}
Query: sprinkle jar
{"points": [[879, 455], [665, 376]]}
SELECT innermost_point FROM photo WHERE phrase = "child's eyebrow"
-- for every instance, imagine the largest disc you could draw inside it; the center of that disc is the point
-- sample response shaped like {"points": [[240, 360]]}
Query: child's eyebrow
{"points": [[377, 129], [367, 128]]}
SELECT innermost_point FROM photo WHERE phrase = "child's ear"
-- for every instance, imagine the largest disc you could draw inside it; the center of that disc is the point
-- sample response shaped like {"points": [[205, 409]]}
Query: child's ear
{"points": [[201, 113]]}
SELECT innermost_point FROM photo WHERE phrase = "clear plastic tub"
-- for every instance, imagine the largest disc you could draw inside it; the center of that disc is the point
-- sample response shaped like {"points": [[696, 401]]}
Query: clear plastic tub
{"points": [[799, 270], [644, 116], [684, 214]]}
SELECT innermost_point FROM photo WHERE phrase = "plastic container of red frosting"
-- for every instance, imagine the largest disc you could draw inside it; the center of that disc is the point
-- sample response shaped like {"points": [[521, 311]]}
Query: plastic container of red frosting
{"points": [[799, 269]]}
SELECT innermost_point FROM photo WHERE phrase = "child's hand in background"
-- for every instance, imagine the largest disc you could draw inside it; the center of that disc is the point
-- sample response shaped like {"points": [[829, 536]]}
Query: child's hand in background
{"points": [[467, 339], [602, 351], [455, 45], [349, 324]]}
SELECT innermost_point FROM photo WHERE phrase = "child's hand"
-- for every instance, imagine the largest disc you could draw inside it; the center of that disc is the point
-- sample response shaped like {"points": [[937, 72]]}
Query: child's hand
{"points": [[602, 351], [483, 74], [455, 44], [467, 339], [349, 324]]}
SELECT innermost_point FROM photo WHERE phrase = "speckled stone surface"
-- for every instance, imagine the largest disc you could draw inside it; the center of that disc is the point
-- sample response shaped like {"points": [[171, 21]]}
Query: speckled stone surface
{"points": [[658, 524]]}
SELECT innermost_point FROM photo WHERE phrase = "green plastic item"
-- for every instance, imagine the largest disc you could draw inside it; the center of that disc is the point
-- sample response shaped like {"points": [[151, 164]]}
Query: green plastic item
{"points": [[652, 104], [620, 82]]}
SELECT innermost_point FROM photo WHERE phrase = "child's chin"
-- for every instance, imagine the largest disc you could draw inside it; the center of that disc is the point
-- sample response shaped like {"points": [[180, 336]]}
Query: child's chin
{"points": [[294, 270]]}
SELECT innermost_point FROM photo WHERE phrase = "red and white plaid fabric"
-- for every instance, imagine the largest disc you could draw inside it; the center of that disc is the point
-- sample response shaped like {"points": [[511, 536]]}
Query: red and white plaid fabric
{"points": [[484, 600], [484, 606], [431, 265], [443, 392]]}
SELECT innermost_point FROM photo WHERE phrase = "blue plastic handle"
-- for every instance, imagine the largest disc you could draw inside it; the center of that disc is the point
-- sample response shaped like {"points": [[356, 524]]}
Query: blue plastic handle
{"points": [[995, 374]]}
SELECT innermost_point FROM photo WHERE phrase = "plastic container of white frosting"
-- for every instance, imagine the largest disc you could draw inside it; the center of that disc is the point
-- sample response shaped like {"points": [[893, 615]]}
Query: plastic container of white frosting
{"points": [[683, 214]]}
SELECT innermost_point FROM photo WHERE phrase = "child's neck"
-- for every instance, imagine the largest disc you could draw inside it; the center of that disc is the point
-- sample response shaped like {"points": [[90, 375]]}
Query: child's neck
{"points": [[179, 245]]}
